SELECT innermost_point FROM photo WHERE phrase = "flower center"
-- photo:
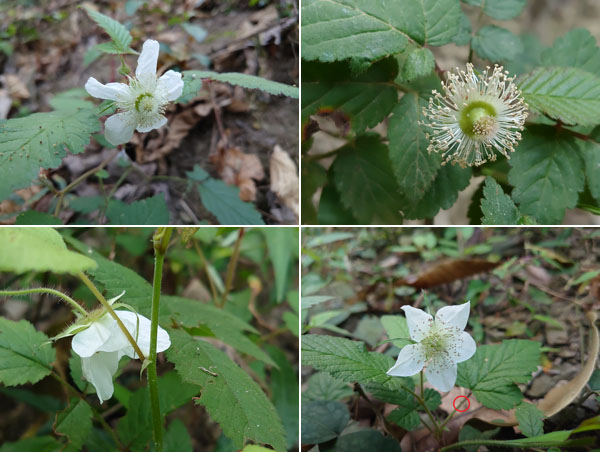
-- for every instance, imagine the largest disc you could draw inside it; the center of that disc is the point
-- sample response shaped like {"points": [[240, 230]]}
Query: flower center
{"points": [[144, 103], [478, 120], [434, 343]]}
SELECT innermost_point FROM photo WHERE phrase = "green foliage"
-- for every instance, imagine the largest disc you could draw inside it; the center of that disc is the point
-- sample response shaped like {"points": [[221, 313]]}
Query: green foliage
{"points": [[577, 48], [25, 354], [135, 428], [530, 419], [232, 398], [147, 211], [39, 249], [223, 200], [177, 438], [41, 140], [366, 441], [121, 38], [546, 173], [500, 9], [494, 369], [415, 62], [590, 152], [75, 422], [191, 85], [36, 444], [33, 217], [496, 44], [497, 207], [322, 386], [570, 95], [195, 31], [463, 36], [282, 244], [322, 421], [246, 81], [406, 417]]}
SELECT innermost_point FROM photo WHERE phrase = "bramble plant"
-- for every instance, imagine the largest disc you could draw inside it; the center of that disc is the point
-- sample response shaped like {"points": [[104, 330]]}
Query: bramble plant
{"points": [[213, 355], [524, 116], [41, 141]]}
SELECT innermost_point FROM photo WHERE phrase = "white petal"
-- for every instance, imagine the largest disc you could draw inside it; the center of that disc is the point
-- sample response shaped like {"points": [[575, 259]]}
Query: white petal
{"points": [[441, 373], [148, 58], [418, 321], [89, 341], [410, 361], [130, 319], [171, 85], [461, 347], [112, 91], [118, 129], [158, 122], [455, 316], [99, 370]]}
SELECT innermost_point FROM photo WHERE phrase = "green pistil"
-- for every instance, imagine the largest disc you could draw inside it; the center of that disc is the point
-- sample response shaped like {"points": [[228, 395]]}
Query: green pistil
{"points": [[147, 105], [475, 116], [433, 344]]}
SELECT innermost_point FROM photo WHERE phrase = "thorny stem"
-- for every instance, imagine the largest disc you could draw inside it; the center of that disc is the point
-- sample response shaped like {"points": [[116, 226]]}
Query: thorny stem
{"points": [[161, 240], [102, 300], [47, 290], [232, 265]]}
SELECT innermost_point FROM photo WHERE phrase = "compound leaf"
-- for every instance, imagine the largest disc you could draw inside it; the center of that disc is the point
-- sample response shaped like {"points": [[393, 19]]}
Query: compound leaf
{"points": [[121, 38], [497, 207]]}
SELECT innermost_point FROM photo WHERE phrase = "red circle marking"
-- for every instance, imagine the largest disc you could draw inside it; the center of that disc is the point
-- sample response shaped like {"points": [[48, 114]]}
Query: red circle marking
{"points": [[454, 403]]}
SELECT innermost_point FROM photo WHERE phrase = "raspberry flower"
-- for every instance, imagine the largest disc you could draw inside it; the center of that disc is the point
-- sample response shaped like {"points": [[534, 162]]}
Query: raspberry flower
{"points": [[477, 116], [142, 102], [440, 345]]}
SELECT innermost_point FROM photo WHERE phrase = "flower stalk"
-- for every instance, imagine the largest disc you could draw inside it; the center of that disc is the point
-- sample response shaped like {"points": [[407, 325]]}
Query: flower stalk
{"points": [[56, 293]]}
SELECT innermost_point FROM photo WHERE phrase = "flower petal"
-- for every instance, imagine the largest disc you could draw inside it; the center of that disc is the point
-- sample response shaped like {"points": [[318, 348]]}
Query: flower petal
{"points": [[158, 122], [131, 319], [418, 321], [118, 129], [148, 58], [461, 347], [455, 316], [90, 340], [441, 373], [171, 84], [99, 370], [112, 91], [410, 361]]}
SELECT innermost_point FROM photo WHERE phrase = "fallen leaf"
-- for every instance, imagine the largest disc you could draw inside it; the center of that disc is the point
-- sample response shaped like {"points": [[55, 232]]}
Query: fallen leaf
{"points": [[15, 87], [448, 271], [284, 179], [237, 168]]}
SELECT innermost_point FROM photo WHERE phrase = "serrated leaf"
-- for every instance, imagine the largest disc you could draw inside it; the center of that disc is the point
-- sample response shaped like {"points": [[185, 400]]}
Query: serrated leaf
{"points": [[173, 392], [496, 44], [571, 95], [529, 58], [442, 193], [148, 211], [39, 141], [191, 85], [414, 63], [494, 369], [247, 81], [340, 29], [313, 177], [530, 419], [232, 398], [590, 151], [433, 399], [75, 422], [396, 329], [39, 249], [118, 33], [135, 428], [322, 386], [323, 421], [547, 174], [25, 355], [177, 437], [35, 444], [415, 168], [463, 35], [331, 210], [406, 417], [364, 100], [365, 182], [500, 9], [577, 48], [34, 217], [497, 207], [366, 441]]}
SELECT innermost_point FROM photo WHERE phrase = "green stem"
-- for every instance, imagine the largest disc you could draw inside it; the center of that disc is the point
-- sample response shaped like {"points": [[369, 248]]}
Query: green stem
{"points": [[102, 300], [232, 265], [161, 240], [47, 290], [421, 402]]}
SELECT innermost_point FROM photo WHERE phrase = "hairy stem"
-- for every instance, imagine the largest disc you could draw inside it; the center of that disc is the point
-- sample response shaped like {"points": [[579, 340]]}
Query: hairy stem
{"points": [[47, 290], [102, 300], [161, 240], [232, 265]]}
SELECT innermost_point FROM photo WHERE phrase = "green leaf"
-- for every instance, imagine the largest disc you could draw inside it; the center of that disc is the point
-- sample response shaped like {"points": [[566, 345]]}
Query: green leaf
{"points": [[341, 29], [363, 100], [313, 177], [590, 151], [433, 399], [25, 355], [322, 386], [496, 44], [442, 193], [247, 81], [396, 328], [364, 179], [529, 58], [31, 217], [415, 168], [173, 392], [36, 444], [500, 9], [195, 31], [530, 419], [463, 35], [39, 249], [571, 95], [118, 33], [577, 48], [39, 141], [177, 438], [310, 301], [547, 174], [191, 85], [76, 372], [135, 428], [497, 207], [149, 211], [43, 403], [223, 200], [232, 398], [366, 441], [281, 243], [322, 421], [594, 382], [331, 209], [75, 422], [415, 62], [406, 417], [494, 369]]}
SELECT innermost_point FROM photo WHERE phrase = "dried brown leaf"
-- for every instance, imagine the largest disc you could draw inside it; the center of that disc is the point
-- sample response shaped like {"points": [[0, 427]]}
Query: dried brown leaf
{"points": [[448, 271], [284, 179], [238, 168]]}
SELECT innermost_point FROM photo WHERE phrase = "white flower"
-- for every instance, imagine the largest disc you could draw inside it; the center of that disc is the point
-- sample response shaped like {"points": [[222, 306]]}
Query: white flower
{"points": [[102, 344], [142, 102], [477, 117], [440, 344]]}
